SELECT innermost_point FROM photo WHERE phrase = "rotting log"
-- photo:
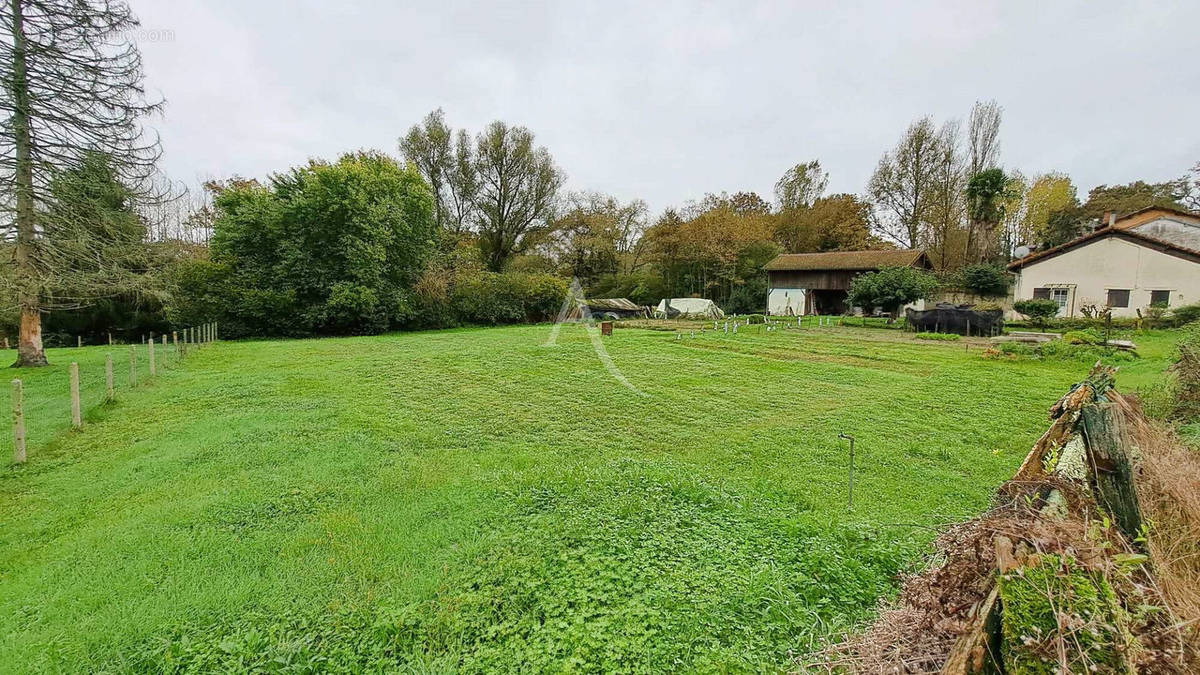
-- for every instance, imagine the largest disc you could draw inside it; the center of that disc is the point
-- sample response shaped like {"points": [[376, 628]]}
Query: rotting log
{"points": [[1112, 468], [1107, 470], [978, 648]]}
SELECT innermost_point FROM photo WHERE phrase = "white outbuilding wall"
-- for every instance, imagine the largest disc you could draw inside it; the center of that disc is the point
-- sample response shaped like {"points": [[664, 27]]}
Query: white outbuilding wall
{"points": [[785, 301]]}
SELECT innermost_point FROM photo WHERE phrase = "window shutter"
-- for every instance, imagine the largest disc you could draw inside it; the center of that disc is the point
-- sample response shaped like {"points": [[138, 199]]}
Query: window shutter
{"points": [[1118, 297]]}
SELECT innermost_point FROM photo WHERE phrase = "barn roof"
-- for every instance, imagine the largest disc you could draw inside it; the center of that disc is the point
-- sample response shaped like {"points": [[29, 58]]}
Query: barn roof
{"points": [[848, 260]]}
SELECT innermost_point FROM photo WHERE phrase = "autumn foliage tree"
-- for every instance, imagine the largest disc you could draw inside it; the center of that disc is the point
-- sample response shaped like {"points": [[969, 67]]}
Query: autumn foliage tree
{"points": [[836, 223]]}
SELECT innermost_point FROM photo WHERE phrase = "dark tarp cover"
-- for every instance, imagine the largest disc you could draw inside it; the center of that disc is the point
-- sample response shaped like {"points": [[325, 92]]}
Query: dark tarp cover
{"points": [[961, 319]]}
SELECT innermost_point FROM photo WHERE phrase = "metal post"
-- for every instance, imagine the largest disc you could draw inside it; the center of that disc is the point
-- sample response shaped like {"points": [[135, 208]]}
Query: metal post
{"points": [[850, 502]]}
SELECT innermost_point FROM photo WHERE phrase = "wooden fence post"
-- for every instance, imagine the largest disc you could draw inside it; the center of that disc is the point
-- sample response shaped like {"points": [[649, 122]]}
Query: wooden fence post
{"points": [[108, 377], [78, 340], [76, 417], [133, 365], [18, 403], [110, 338], [151, 346], [175, 340]]}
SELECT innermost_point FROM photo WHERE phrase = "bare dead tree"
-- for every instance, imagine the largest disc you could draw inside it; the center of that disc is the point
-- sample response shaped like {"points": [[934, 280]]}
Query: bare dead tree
{"points": [[72, 90], [983, 136]]}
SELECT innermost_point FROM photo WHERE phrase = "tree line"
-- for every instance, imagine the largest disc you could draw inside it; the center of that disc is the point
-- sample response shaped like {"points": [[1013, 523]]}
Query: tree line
{"points": [[457, 227]]}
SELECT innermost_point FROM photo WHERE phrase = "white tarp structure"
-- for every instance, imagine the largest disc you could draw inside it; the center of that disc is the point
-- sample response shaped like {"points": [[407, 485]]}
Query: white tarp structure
{"points": [[786, 301], [669, 308]]}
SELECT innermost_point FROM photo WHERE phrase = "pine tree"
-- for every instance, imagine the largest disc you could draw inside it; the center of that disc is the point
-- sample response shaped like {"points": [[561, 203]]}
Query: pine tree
{"points": [[72, 95]]}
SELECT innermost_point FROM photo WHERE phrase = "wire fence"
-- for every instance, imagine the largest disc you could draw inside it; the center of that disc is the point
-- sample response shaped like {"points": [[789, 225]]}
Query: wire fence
{"points": [[49, 400]]}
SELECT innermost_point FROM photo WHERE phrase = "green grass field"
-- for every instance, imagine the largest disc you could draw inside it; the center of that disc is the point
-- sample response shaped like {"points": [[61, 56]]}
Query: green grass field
{"points": [[474, 500]]}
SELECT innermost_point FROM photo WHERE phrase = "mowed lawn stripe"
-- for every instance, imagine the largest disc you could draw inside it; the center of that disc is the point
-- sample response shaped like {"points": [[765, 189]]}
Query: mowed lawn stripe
{"points": [[474, 499]]}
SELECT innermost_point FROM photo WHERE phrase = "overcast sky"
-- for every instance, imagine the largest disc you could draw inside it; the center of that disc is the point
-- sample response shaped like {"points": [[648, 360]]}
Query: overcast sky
{"points": [[666, 101]]}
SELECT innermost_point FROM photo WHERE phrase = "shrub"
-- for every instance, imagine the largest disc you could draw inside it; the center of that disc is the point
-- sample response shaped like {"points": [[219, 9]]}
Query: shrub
{"points": [[1061, 350], [748, 297], [984, 280], [1037, 310], [1186, 371], [1017, 349], [352, 308], [1089, 336], [1186, 314], [489, 298], [890, 288], [943, 337], [324, 248]]}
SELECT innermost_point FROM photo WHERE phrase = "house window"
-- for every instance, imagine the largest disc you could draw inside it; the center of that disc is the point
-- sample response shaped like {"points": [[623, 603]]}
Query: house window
{"points": [[1061, 296], [1160, 298], [1118, 297]]}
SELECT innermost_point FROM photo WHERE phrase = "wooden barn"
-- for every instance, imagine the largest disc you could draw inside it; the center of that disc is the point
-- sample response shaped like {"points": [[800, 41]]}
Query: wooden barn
{"points": [[818, 283]]}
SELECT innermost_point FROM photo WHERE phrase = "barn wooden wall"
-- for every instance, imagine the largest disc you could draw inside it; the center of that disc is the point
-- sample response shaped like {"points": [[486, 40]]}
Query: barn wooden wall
{"points": [[833, 280]]}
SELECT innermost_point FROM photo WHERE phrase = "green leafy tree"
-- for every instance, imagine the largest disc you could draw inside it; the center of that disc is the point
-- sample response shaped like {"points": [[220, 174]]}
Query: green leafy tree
{"points": [[447, 161], [904, 184], [325, 248], [988, 193], [984, 279], [518, 183], [1062, 227], [1049, 196], [1125, 199], [598, 236], [800, 186], [891, 288]]}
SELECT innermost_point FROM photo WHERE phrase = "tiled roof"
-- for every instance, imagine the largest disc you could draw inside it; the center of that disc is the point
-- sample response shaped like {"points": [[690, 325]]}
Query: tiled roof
{"points": [[1131, 235], [848, 260]]}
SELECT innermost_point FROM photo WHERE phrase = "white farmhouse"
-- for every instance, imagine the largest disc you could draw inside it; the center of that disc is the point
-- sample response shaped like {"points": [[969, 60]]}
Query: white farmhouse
{"points": [[1149, 257]]}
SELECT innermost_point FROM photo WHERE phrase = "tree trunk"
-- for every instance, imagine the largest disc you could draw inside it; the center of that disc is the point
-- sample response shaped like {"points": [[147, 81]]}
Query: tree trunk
{"points": [[29, 346]]}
